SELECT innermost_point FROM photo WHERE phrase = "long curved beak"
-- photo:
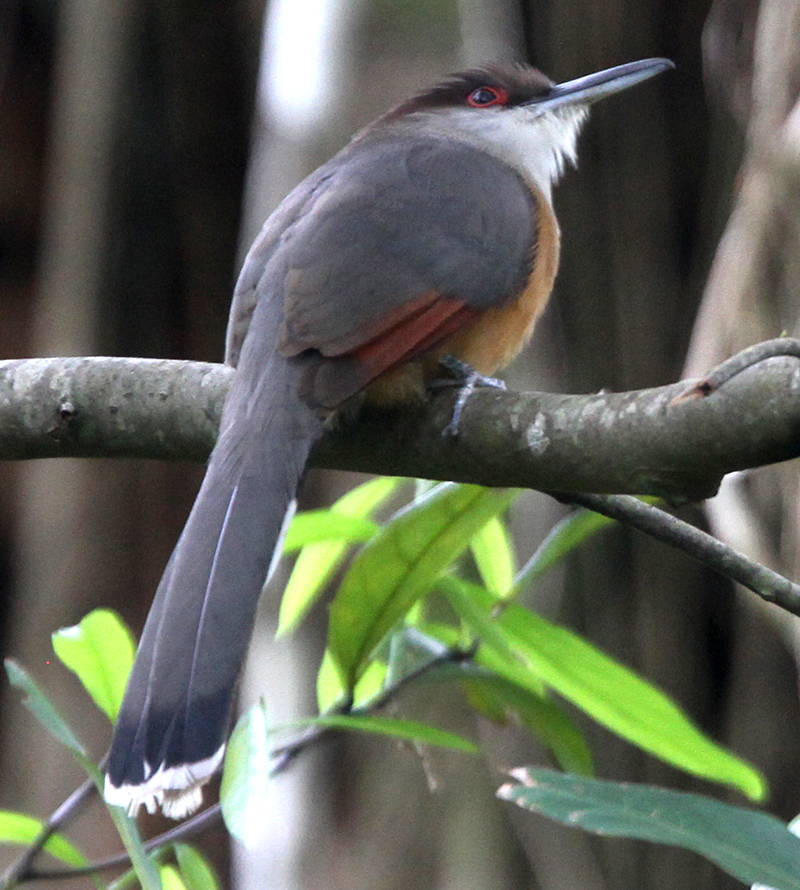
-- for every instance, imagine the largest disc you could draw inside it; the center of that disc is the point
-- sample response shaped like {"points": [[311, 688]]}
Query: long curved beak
{"points": [[589, 89]]}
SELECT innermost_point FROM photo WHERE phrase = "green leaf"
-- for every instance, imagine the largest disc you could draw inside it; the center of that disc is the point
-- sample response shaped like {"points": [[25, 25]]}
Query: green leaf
{"points": [[365, 499], [321, 557], [494, 556], [501, 696], [247, 776], [794, 827], [625, 703], [195, 869], [513, 669], [489, 692], [749, 845], [563, 538], [314, 526], [170, 878], [370, 683], [43, 709], [100, 651], [408, 730], [332, 692], [473, 604], [613, 694], [402, 564], [19, 828]]}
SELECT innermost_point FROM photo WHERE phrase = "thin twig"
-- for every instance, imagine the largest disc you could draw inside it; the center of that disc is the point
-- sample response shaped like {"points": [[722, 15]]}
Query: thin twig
{"points": [[285, 754], [780, 346], [665, 527], [281, 757], [23, 869], [199, 822]]}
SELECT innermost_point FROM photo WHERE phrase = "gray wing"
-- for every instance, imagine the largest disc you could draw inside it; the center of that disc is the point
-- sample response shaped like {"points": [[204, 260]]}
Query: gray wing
{"points": [[385, 225], [408, 220], [247, 291]]}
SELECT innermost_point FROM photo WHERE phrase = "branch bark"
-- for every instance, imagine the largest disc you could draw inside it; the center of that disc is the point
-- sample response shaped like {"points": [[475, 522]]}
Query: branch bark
{"points": [[667, 441]]}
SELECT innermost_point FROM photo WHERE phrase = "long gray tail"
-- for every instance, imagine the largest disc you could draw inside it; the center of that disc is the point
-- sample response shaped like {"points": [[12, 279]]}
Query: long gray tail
{"points": [[171, 731]]}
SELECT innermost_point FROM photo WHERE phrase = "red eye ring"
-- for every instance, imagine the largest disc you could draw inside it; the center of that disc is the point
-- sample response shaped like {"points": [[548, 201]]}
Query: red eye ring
{"points": [[486, 97]]}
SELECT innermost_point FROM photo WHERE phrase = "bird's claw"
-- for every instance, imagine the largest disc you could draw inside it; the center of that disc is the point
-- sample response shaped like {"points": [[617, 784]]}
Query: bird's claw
{"points": [[468, 380]]}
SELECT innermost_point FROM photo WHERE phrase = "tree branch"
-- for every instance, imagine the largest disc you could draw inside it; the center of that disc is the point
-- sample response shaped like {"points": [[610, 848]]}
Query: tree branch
{"points": [[673, 441], [664, 527]]}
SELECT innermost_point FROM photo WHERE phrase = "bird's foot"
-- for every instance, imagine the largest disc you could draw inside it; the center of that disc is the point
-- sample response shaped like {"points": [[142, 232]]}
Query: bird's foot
{"points": [[467, 379]]}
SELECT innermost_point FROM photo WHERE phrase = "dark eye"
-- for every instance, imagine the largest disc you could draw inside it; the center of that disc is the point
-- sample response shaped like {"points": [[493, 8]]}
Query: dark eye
{"points": [[485, 97]]}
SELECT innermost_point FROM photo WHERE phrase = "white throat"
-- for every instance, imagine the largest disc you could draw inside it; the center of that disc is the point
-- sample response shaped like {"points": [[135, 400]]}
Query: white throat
{"points": [[537, 143]]}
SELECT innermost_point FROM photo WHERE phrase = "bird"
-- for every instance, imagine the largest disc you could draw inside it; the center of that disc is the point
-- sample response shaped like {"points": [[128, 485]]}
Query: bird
{"points": [[431, 234]]}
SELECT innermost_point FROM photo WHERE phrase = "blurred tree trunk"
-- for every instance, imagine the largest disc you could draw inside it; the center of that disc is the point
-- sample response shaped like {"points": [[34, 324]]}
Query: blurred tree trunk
{"points": [[640, 222], [753, 73], [60, 537], [145, 164]]}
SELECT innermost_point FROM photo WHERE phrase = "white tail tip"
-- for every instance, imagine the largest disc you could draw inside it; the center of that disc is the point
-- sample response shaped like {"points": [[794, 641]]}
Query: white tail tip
{"points": [[176, 790]]}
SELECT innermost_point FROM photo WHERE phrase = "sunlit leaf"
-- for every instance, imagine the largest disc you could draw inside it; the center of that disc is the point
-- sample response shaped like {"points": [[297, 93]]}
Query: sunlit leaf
{"points": [[314, 526], [196, 871], [322, 556], [247, 777], [171, 878], [19, 828], [494, 556], [331, 691], [100, 651], [402, 564], [607, 690]]}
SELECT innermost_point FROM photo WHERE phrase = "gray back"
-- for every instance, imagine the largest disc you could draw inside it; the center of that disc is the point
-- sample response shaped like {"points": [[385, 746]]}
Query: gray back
{"points": [[389, 219]]}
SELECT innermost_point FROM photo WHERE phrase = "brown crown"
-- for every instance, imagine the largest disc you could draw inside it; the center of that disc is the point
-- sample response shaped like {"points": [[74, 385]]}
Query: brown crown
{"points": [[521, 82]]}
